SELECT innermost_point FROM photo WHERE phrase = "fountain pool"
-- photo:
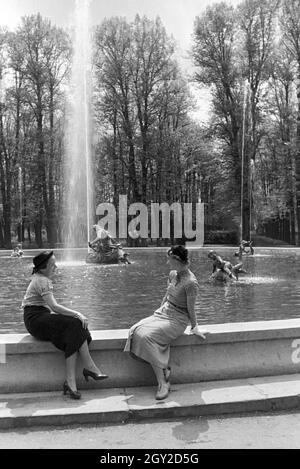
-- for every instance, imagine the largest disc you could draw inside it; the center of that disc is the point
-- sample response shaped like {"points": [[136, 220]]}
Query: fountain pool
{"points": [[116, 296]]}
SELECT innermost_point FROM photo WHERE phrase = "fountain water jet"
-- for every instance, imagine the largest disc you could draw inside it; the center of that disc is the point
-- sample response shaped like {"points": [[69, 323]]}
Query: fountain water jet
{"points": [[79, 184]]}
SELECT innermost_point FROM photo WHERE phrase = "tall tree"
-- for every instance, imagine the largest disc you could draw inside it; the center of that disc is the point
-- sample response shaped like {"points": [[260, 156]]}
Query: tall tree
{"points": [[290, 23], [7, 153], [112, 56], [46, 53], [217, 67], [151, 66], [256, 18]]}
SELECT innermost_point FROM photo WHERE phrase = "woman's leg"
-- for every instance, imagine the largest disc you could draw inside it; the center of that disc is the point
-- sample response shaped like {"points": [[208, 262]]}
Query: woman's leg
{"points": [[87, 360], [71, 371], [163, 386], [159, 373]]}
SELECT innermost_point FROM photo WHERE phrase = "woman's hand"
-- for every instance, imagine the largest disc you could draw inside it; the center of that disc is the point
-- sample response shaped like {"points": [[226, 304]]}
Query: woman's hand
{"points": [[197, 331], [83, 319]]}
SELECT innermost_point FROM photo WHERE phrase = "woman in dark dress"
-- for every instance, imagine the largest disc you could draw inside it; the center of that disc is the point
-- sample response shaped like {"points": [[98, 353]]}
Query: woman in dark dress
{"points": [[66, 328]]}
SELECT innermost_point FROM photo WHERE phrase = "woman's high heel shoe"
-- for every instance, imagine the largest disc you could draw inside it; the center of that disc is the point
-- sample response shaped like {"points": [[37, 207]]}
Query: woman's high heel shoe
{"points": [[162, 391], [68, 390], [96, 376]]}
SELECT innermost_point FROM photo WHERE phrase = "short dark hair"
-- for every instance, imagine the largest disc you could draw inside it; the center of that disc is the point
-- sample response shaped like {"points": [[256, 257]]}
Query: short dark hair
{"points": [[180, 253]]}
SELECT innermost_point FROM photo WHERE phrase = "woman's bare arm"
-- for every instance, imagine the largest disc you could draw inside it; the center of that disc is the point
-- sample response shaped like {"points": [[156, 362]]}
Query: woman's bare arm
{"points": [[191, 300], [164, 300], [60, 309]]}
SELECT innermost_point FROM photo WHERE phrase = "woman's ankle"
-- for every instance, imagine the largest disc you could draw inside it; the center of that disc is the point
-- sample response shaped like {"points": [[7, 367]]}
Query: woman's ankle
{"points": [[71, 383], [92, 367], [162, 382]]}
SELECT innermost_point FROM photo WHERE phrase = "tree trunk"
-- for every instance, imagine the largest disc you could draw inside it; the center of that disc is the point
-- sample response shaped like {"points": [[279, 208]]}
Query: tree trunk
{"points": [[1, 235], [38, 232], [43, 194], [51, 221], [5, 180], [114, 158], [297, 165]]}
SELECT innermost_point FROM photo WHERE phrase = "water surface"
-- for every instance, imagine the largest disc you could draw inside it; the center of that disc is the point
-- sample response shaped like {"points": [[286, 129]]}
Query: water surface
{"points": [[116, 296]]}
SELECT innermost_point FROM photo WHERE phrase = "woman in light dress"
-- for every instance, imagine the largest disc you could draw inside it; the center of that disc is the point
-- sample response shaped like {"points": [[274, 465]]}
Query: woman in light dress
{"points": [[150, 339]]}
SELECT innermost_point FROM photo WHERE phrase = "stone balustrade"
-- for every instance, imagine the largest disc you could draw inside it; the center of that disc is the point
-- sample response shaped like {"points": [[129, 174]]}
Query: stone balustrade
{"points": [[230, 351]]}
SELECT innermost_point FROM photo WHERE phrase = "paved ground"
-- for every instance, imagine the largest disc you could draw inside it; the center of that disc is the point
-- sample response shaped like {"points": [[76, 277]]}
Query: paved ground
{"points": [[119, 405], [249, 431]]}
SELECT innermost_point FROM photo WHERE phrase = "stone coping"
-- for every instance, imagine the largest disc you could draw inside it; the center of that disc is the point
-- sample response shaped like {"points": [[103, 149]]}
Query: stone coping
{"points": [[205, 247], [133, 404], [115, 339]]}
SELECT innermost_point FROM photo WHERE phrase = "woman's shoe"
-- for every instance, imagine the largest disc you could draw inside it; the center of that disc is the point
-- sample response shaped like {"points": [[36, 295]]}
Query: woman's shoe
{"points": [[167, 372], [96, 376], [68, 390], [163, 391]]}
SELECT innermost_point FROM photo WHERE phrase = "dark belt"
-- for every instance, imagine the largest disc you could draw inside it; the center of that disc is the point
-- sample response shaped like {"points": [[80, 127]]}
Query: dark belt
{"points": [[176, 306], [36, 308]]}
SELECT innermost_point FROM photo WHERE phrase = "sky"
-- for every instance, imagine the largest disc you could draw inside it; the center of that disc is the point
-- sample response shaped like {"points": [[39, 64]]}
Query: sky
{"points": [[177, 16]]}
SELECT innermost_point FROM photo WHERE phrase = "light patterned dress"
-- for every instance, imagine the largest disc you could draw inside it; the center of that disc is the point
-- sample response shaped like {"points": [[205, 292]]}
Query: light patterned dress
{"points": [[150, 338]]}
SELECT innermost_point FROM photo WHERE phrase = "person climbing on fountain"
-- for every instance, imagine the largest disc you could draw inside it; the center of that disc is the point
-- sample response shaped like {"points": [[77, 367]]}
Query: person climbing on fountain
{"points": [[242, 248], [223, 269], [17, 252], [103, 241], [124, 259], [105, 245], [222, 266]]}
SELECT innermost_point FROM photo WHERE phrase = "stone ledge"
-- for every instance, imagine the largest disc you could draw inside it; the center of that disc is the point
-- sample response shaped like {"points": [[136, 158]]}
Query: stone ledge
{"points": [[231, 351], [138, 403], [115, 339]]}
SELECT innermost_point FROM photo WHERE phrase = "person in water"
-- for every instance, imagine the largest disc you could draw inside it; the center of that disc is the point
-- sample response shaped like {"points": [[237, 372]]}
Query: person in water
{"points": [[17, 252], [221, 265], [124, 259], [223, 269], [243, 248]]}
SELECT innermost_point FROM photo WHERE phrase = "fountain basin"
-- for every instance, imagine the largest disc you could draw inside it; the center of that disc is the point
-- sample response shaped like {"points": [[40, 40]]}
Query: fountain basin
{"points": [[230, 351], [117, 296]]}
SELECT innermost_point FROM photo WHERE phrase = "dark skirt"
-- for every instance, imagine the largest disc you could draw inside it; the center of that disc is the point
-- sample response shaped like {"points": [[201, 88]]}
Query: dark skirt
{"points": [[65, 332]]}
